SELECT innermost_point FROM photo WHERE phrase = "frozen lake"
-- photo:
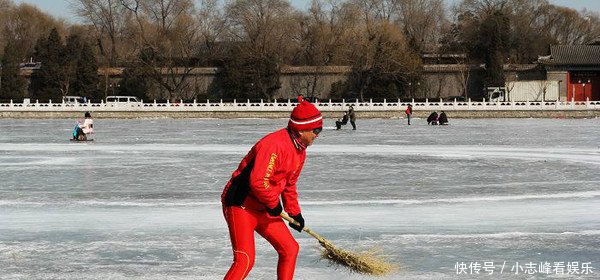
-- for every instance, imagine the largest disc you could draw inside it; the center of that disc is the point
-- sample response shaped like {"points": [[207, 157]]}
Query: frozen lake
{"points": [[142, 200]]}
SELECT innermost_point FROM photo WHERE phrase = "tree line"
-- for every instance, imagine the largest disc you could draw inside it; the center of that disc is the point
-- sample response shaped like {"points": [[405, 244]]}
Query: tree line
{"points": [[159, 42]]}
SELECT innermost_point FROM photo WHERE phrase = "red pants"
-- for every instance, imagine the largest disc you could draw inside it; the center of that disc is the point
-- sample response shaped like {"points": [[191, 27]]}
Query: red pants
{"points": [[242, 224]]}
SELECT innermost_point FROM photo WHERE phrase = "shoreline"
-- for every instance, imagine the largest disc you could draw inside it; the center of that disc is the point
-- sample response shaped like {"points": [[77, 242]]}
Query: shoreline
{"points": [[458, 114]]}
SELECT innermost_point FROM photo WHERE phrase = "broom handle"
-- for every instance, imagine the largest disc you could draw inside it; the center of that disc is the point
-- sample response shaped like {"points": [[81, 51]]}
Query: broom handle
{"points": [[306, 229]]}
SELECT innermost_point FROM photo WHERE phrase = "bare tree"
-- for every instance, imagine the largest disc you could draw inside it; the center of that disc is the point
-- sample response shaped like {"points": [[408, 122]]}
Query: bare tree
{"points": [[5, 7], [421, 21], [463, 78], [382, 61], [109, 19], [212, 27], [417, 18], [262, 31], [5, 4], [527, 35], [327, 33], [534, 24], [510, 84], [318, 42], [480, 7], [167, 41], [265, 25], [25, 24], [569, 27]]}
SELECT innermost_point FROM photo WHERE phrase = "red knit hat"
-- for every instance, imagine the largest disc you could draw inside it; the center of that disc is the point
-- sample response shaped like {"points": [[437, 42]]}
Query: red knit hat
{"points": [[305, 117]]}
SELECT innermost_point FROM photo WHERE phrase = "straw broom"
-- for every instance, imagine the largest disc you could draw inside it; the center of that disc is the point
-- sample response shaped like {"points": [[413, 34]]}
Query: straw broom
{"points": [[366, 263]]}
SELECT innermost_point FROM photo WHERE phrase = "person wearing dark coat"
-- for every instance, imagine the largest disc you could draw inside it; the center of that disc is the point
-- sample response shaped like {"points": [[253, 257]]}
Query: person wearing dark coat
{"points": [[433, 118], [352, 116], [443, 119]]}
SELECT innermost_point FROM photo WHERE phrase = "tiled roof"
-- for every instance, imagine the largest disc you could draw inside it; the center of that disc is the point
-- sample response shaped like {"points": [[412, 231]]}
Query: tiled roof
{"points": [[114, 71], [519, 67], [315, 69], [474, 67], [291, 70], [117, 71], [572, 55], [449, 67]]}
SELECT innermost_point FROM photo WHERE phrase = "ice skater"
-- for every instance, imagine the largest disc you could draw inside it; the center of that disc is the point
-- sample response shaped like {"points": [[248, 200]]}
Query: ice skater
{"points": [[251, 198]]}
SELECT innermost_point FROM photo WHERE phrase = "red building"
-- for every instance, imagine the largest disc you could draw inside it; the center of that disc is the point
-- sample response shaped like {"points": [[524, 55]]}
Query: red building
{"points": [[577, 69]]}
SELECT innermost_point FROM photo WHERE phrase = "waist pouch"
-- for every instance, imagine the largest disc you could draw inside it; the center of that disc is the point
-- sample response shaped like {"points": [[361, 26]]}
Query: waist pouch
{"points": [[240, 187]]}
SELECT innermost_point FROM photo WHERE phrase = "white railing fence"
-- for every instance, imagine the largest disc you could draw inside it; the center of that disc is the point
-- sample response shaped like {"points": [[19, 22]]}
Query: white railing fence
{"points": [[288, 105]]}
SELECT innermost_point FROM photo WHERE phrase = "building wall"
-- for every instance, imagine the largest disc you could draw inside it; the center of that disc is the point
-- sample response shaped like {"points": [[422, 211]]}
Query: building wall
{"points": [[579, 84], [314, 85], [540, 90], [300, 80], [561, 77], [441, 85], [439, 81]]}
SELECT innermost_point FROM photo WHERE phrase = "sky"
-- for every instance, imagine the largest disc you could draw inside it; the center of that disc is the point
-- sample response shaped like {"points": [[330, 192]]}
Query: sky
{"points": [[60, 8]]}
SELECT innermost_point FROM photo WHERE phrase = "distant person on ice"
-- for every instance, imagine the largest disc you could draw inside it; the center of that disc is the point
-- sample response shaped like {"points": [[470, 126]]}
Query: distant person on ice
{"points": [[433, 118], [443, 119], [409, 112], [342, 121], [352, 116], [251, 198], [81, 130]]}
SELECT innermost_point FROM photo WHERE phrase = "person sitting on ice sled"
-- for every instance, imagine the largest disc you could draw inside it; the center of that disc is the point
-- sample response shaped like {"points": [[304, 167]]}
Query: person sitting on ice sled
{"points": [[251, 198], [342, 121], [80, 131]]}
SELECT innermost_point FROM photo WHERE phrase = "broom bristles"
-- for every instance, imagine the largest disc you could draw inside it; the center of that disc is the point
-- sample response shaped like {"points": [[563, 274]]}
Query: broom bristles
{"points": [[364, 262]]}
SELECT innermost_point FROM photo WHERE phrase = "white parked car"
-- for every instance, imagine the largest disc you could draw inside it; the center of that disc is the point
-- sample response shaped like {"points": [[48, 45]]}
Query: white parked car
{"points": [[72, 100], [123, 101]]}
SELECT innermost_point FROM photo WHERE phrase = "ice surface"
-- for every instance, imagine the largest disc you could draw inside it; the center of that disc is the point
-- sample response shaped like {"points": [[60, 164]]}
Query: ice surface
{"points": [[142, 200]]}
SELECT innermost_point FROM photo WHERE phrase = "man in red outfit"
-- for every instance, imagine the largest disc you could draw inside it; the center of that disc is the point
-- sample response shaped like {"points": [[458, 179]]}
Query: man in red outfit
{"points": [[251, 198]]}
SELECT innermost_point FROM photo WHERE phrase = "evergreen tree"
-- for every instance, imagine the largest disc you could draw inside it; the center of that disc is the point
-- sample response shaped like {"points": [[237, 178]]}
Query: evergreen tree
{"points": [[498, 26], [134, 83], [87, 73], [12, 84], [50, 81], [82, 69], [340, 90], [247, 76], [72, 52], [491, 46]]}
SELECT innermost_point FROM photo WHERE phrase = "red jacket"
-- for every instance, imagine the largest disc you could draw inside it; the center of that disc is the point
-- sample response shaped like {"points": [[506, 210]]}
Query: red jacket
{"points": [[270, 170]]}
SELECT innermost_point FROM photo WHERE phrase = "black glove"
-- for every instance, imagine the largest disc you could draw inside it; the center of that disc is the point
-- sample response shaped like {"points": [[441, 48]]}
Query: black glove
{"points": [[275, 211], [298, 218]]}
